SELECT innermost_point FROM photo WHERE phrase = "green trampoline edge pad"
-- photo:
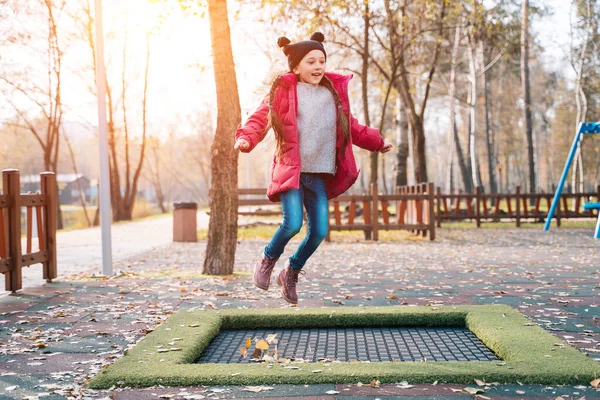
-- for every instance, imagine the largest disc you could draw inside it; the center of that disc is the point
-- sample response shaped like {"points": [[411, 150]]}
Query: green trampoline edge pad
{"points": [[530, 354]]}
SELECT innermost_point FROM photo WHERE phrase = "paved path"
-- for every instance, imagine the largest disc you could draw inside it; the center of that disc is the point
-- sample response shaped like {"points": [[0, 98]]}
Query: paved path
{"points": [[552, 278], [80, 251]]}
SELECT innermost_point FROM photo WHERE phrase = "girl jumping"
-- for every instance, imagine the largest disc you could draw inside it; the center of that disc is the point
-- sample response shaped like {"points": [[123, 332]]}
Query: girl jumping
{"points": [[309, 112]]}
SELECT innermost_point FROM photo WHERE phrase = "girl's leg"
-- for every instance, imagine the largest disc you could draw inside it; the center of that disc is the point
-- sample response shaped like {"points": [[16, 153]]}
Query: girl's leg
{"points": [[317, 211], [291, 205]]}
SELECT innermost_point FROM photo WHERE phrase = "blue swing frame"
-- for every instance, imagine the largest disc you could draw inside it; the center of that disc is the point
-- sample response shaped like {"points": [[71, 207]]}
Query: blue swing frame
{"points": [[585, 128]]}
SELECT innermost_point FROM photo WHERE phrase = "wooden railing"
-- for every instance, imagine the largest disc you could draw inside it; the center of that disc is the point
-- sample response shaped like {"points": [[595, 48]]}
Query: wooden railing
{"points": [[481, 207], [411, 208], [12, 257], [418, 209]]}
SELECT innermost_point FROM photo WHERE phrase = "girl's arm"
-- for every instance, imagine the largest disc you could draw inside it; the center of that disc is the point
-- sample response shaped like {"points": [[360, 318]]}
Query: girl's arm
{"points": [[365, 137], [255, 128]]}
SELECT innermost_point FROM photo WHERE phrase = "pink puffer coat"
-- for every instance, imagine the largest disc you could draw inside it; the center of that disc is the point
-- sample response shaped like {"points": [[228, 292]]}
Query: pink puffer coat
{"points": [[285, 172]]}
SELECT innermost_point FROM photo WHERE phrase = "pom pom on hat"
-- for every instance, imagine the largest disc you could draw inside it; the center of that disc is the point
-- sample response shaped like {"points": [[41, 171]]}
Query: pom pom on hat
{"points": [[318, 36], [283, 41]]}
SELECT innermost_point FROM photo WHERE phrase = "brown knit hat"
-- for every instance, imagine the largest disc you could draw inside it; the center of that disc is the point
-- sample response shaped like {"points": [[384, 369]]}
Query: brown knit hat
{"points": [[295, 52]]}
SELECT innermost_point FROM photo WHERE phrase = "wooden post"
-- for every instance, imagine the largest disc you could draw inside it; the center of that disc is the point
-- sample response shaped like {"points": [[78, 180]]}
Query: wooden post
{"points": [[420, 206], [11, 185], [438, 217], [367, 218], [431, 212], [374, 212], [3, 235], [48, 186], [397, 191], [518, 211], [477, 206]]}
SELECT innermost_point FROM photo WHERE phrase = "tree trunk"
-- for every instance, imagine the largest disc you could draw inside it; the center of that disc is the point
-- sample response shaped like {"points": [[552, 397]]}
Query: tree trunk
{"points": [[402, 153], [131, 191], [453, 131], [222, 228], [417, 129], [419, 152], [155, 177], [365, 85], [497, 127], [463, 165], [406, 90], [580, 100], [384, 177], [527, 121], [381, 126], [473, 117], [76, 172], [489, 139]]}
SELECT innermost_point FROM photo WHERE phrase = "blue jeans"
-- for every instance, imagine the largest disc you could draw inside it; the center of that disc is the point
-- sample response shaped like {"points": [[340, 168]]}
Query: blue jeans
{"points": [[313, 194]]}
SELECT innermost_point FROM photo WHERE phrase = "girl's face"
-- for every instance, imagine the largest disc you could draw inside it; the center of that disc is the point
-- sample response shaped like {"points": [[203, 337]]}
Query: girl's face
{"points": [[311, 68]]}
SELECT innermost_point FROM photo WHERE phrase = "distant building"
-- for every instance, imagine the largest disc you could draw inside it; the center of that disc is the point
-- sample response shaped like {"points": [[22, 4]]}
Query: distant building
{"points": [[68, 191]]}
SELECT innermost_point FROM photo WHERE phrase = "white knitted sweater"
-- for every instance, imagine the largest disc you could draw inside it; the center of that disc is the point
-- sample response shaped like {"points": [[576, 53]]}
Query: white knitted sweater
{"points": [[316, 128]]}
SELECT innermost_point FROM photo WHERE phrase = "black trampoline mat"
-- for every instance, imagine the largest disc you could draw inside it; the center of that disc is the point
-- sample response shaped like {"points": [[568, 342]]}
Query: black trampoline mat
{"points": [[353, 344]]}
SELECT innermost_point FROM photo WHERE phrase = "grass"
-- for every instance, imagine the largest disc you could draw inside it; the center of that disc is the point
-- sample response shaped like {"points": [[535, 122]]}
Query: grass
{"points": [[262, 232], [531, 355], [255, 232]]}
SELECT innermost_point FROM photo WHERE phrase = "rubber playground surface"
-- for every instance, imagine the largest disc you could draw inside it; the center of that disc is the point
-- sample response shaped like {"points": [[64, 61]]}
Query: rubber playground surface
{"points": [[55, 338]]}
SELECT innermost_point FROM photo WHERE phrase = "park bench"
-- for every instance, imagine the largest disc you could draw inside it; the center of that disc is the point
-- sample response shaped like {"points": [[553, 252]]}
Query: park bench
{"points": [[594, 206], [257, 197]]}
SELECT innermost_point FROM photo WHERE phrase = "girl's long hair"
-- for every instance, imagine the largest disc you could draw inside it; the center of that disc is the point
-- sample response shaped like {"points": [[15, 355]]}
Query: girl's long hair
{"points": [[275, 122]]}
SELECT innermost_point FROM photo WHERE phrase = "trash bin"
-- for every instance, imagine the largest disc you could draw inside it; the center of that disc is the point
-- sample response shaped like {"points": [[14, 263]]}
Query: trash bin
{"points": [[184, 221]]}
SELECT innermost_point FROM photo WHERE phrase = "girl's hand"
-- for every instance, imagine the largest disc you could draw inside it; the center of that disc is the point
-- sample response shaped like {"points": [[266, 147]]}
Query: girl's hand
{"points": [[241, 144], [387, 147]]}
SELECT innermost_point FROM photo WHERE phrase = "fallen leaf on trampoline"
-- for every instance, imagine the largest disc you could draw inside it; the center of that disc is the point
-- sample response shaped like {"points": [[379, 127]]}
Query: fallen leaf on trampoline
{"points": [[480, 382], [595, 383], [471, 390], [262, 344], [271, 337], [256, 389]]}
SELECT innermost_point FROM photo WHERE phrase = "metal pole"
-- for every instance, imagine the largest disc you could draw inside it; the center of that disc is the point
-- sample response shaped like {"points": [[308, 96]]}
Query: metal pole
{"points": [[563, 177], [105, 210]]}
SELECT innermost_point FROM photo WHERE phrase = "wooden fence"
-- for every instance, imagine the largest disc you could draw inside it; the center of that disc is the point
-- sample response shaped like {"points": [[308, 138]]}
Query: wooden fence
{"points": [[418, 209], [410, 208], [515, 206], [12, 257]]}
